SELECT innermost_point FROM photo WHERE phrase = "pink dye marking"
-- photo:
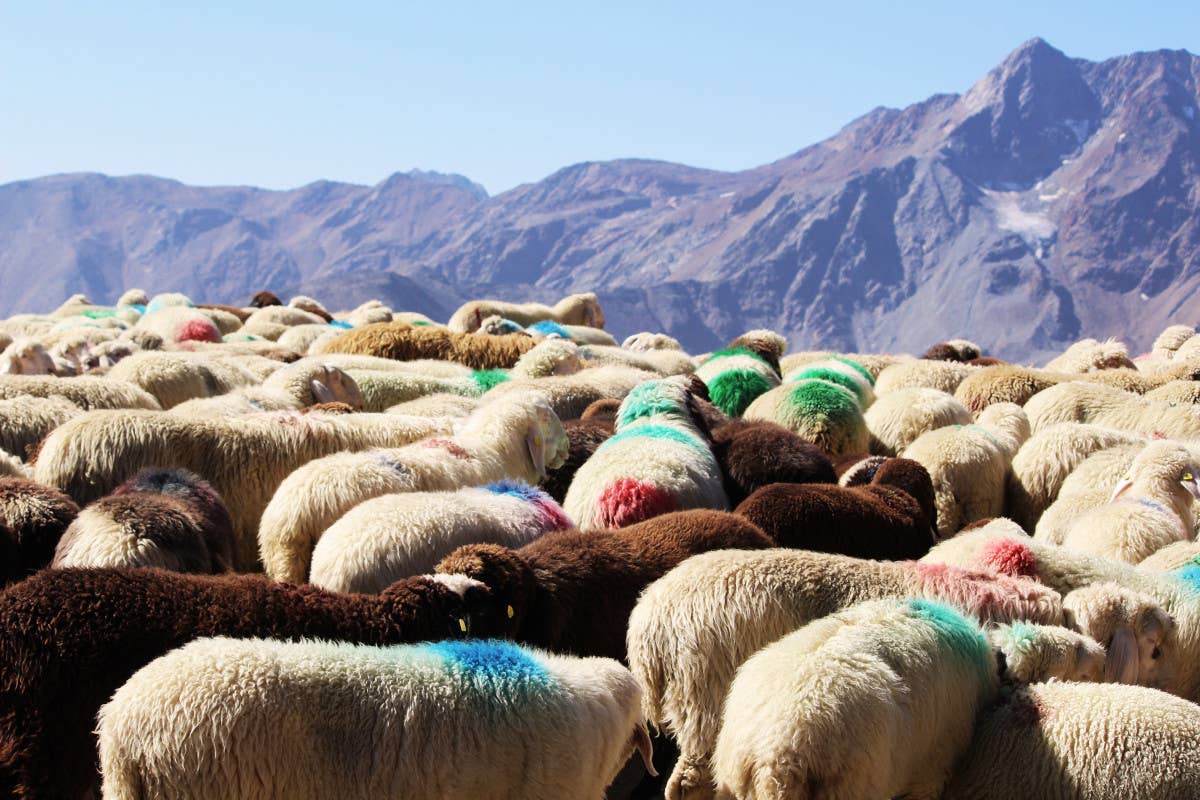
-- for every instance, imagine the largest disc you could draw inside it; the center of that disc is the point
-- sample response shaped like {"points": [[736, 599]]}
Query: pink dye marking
{"points": [[978, 593], [1157, 435], [556, 518], [196, 330], [1026, 711], [628, 500], [1009, 557], [453, 448]]}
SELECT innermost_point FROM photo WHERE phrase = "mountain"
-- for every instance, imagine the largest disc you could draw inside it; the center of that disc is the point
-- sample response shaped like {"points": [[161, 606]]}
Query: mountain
{"points": [[1057, 198]]}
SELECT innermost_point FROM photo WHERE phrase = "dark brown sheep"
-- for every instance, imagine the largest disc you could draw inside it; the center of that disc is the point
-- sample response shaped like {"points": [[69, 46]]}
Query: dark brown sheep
{"points": [[70, 638], [177, 520], [945, 351], [403, 342], [892, 518], [753, 454], [986, 361], [35, 517], [857, 468], [573, 591], [583, 437], [333, 407], [264, 299]]}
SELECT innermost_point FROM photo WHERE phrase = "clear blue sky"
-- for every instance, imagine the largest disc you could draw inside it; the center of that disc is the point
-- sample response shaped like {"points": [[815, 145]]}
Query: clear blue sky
{"points": [[280, 94]]}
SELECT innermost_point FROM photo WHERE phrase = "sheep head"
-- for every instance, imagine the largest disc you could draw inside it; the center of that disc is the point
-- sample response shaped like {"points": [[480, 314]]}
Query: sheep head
{"points": [[330, 385], [26, 356], [1166, 472], [1034, 653], [1137, 633], [510, 580], [545, 439]]}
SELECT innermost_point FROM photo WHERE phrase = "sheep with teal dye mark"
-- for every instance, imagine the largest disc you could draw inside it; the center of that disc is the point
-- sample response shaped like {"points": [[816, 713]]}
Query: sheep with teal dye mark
{"points": [[435, 720], [1030, 653], [969, 464], [583, 334], [907, 677], [391, 537], [694, 627], [824, 413], [517, 436], [659, 460], [735, 376]]}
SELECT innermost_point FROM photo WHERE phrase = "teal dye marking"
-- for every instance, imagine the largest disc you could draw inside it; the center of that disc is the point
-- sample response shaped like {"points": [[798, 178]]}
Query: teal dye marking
{"points": [[547, 327], [1189, 573], [657, 432], [863, 370], [736, 351], [963, 638], [833, 376], [486, 379], [649, 399]]}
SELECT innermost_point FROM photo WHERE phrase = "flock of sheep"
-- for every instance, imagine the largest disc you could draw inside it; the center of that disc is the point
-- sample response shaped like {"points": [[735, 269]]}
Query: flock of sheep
{"points": [[273, 552]]}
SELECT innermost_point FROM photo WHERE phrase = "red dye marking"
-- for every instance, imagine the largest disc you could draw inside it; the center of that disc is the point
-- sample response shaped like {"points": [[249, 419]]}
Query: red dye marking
{"points": [[555, 517], [627, 501], [196, 330], [1157, 435], [1025, 711], [453, 448], [1009, 557]]}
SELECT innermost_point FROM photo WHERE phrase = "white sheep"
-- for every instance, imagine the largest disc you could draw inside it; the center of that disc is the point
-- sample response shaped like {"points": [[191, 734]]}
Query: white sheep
{"points": [[514, 437], [896, 419], [968, 464], [944, 376], [26, 356], [693, 627], [1083, 401], [1083, 741], [575, 309], [293, 387], [394, 536], [1138, 634], [1089, 355], [1089, 486], [659, 460], [315, 719], [641, 342], [908, 677], [177, 377], [85, 391]]}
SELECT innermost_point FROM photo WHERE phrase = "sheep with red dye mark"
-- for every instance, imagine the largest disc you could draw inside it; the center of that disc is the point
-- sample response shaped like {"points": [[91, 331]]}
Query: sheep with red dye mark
{"points": [[892, 517], [693, 628], [517, 437], [167, 518], [178, 323], [391, 537], [572, 591], [70, 638], [659, 460]]}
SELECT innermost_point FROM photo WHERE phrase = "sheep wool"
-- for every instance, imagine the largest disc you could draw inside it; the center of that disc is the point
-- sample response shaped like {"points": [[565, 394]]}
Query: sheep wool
{"points": [[914, 674], [735, 376], [1083, 741], [401, 721], [693, 627], [575, 309], [391, 537], [35, 518], [844, 373], [824, 413], [898, 418]]}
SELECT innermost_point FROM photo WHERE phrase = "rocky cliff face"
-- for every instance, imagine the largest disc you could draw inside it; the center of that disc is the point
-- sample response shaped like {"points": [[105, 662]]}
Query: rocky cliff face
{"points": [[1056, 198]]}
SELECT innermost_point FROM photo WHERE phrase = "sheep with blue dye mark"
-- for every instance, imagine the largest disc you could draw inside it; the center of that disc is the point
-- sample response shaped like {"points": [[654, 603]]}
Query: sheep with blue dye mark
{"points": [[583, 334], [1029, 653], [913, 675], [391, 537], [441, 719], [693, 627], [659, 460], [575, 309], [516, 437]]}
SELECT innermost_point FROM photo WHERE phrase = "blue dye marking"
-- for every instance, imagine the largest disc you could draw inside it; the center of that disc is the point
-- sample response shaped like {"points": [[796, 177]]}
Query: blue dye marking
{"points": [[494, 660], [657, 432], [516, 489], [138, 307], [547, 327], [337, 323], [1189, 573]]}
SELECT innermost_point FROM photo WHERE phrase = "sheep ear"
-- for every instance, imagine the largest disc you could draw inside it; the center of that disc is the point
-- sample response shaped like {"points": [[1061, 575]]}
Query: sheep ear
{"points": [[1121, 661], [1125, 483], [321, 392], [641, 741], [1189, 483], [537, 448]]}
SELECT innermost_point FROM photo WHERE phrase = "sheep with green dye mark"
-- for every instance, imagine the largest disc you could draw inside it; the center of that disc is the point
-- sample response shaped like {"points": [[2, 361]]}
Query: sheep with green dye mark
{"points": [[454, 719], [735, 376], [844, 373], [659, 460], [824, 413], [914, 674]]}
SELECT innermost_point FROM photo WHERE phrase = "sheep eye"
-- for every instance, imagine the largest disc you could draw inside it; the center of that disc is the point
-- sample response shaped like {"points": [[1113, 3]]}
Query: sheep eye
{"points": [[1157, 652]]}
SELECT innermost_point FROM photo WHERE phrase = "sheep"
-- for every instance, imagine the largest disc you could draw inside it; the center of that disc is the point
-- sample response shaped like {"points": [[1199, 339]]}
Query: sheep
{"points": [[1003, 384], [570, 395], [159, 518], [913, 676], [575, 309], [1088, 355], [735, 376], [25, 420], [1083, 741], [583, 334], [641, 342], [1134, 627], [968, 464], [584, 436], [1176, 392], [439, 403], [390, 537], [306, 303], [693, 627], [292, 387], [659, 460], [1030, 653], [893, 517], [282, 315], [1169, 341], [945, 376], [896, 419], [844, 373], [1103, 405], [133, 297], [173, 378], [1171, 557], [517, 437], [11, 466], [405, 343], [35, 517], [954, 350], [664, 363], [26, 356], [399, 721], [752, 455], [572, 591], [427, 367], [227, 322], [1088, 487], [84, 391], [69, 638], [244, 458], [1149, 509], [820, 412], [264, 299], [1046, 459], [179, 324]]}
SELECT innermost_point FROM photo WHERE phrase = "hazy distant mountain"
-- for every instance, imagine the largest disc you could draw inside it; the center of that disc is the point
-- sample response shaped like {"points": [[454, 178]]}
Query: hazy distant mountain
{"points": [[1056, 198]]}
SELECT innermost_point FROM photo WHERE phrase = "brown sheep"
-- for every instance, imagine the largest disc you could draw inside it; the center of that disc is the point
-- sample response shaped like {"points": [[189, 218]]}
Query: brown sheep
{"points": [[402, 342]]}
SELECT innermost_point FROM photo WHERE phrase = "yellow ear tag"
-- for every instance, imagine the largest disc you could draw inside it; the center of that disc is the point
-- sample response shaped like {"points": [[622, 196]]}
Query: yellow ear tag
{"points": [[1187, 476], [510, 612], [462, 624]]}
